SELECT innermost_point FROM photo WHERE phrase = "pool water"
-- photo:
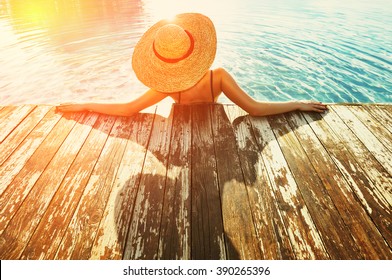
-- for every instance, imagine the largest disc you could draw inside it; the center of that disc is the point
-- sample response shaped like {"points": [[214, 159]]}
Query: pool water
{"points": [[54, 51]]}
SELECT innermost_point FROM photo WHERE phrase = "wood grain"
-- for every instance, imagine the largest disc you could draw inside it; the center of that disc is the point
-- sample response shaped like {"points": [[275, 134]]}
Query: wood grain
{"points": [[358, 182], [49, 233], [198, 181], [369, 243], [304, 236], [270, 229], [236, 210], [12, 118], [380, 177], [113, 228], [82, 229], [16, 162], [175, 235], [208, 241], [143, 236], [16, 137]]}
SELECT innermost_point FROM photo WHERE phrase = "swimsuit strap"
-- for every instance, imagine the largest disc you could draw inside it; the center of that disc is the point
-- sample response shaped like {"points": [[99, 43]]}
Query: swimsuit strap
{"points": [[212, 87]]}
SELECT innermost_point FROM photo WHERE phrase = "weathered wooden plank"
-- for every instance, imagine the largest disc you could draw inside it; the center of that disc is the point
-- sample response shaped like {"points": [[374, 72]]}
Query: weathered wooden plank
{"points": [[34, 205], [378, 150], [20, 187], [6, 111], [368, 239], [113, 229], [380, 177], [10, 121], [365, 191], [15, 163], [207, 232], [241, 238], [10, 144], [303, 234], [48, 235], [80, 235], [175, 235], [143, 237], [373, 125], [330, 225], [271, 231], [333, 151], [382, 115], [387, 108]]}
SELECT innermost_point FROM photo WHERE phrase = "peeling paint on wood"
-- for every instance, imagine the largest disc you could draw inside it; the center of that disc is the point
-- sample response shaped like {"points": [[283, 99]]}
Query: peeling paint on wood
{"points": [[358, 181], [304, 236], [15, 163], [11, 117], [208, 241], [143, 235], [111, 237], [174, 241], [381, 132], [372, 143], [327, 220], [273, 238], [236, 210], [16, 137], [369, 163], [203, 182], [49, 233], [359, 225], [81, 232], [35, 204]]}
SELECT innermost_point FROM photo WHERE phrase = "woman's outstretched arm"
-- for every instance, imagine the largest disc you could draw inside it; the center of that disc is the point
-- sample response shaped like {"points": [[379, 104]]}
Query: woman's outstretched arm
{"points": [[257, 108], [148, 99]]}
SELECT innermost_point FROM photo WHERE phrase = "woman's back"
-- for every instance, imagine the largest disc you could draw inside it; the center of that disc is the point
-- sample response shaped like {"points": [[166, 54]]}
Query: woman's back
{"points": [[205, 91]]}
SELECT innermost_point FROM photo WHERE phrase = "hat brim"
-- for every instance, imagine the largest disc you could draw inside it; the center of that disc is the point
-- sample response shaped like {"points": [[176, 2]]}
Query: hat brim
{"points": [[173, 77]]}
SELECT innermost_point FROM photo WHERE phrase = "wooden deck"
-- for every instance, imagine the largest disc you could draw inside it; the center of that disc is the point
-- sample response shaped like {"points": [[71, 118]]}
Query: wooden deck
{"points": [[205, 182]]}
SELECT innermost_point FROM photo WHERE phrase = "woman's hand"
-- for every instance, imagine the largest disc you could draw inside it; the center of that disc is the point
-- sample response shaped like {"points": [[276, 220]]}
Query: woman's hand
{"points": [[71, 107], [315, 106]]}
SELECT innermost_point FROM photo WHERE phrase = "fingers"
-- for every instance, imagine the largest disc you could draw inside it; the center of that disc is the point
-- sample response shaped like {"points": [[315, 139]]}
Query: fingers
{"points": [[319, 107], [314, 106], [319, 110], [68, 107], [63, 108]]}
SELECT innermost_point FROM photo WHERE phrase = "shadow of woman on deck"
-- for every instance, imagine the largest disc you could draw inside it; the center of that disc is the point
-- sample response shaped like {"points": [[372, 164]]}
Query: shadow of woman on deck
{"points": [[189, 186], [200, 193]]}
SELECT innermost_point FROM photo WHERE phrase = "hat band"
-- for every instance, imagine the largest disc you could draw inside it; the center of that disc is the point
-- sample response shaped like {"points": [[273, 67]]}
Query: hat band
{"points": [[174, 60]]}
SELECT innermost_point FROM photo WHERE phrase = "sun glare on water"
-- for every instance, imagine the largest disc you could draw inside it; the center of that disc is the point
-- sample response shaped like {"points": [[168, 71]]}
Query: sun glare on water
{"points": [[169, 8], [77, 50]]}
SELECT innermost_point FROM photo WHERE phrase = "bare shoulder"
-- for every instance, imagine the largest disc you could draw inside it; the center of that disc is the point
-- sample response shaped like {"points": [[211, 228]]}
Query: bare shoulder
{"points": [[220, 72], [221, 76]]}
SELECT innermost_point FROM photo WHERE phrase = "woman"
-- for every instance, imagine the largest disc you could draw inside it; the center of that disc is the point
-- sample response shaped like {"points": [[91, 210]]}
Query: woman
{"points": [[173, 59]]}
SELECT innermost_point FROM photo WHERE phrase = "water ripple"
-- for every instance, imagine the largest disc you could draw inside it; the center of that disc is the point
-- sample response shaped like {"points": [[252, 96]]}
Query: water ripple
{"points": [[333, 51]]}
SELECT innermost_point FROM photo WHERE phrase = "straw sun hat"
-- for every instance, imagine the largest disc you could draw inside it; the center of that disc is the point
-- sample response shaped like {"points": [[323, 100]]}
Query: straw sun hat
{"points": [[173, 55]]}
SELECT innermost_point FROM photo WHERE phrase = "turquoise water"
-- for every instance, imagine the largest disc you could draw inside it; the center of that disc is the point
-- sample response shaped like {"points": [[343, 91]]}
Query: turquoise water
{"points": [[325, 50], [55, 51]]}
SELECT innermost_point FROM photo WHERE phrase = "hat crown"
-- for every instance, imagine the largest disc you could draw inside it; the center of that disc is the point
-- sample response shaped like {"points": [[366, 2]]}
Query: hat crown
{"points": [[172, 41], [173, 55]]}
